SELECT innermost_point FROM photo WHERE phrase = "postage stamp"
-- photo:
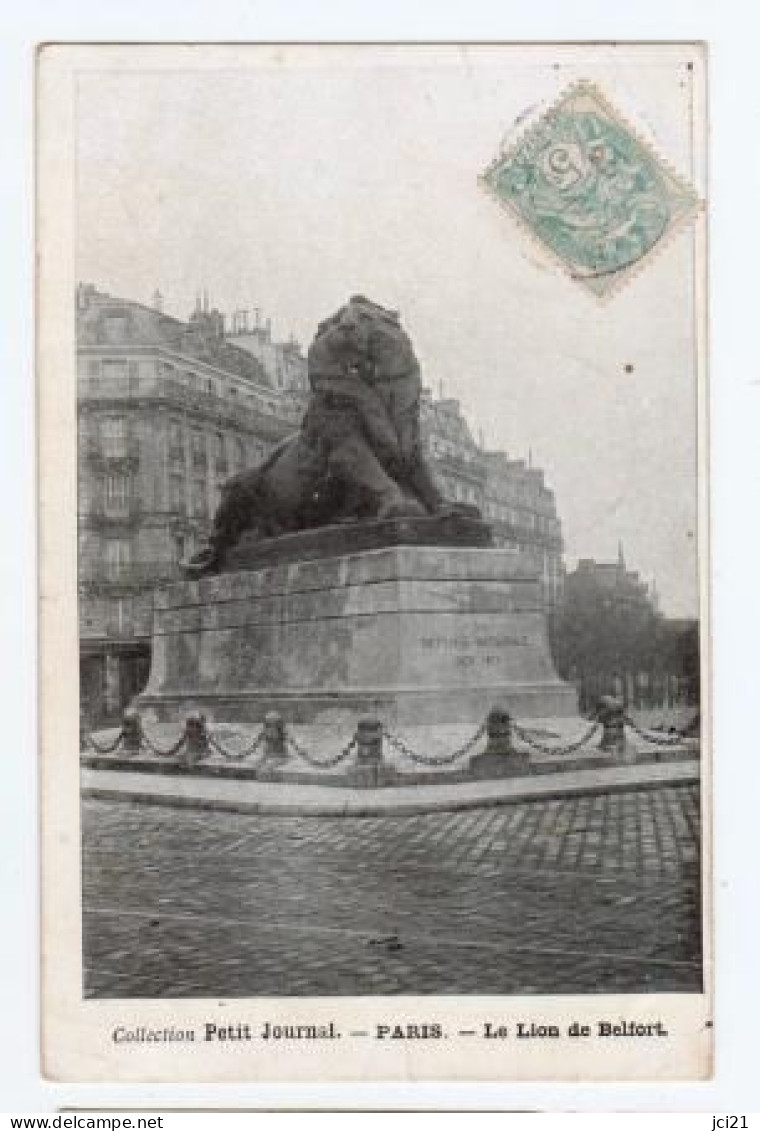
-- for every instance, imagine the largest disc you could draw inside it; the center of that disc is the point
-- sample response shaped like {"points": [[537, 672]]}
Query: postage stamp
{"points": [[590, 190], [374, 698]]}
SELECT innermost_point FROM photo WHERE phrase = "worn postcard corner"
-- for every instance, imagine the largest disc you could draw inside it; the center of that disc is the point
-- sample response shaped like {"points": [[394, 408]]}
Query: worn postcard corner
{"points": [[375, 696]]}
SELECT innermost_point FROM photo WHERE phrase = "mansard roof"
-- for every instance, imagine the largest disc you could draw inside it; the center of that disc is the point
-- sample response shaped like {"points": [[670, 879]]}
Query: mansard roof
{"points": [[103, 320]]}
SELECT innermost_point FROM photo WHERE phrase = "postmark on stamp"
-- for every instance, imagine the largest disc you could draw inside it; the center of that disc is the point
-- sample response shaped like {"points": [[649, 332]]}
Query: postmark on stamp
{"points": [[590, 190]]}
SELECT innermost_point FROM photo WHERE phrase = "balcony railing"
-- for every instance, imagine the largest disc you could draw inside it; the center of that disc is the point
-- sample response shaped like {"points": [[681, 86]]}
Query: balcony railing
{"points": [[102, 512], [100, 455], [465, 466], [262, 413]]}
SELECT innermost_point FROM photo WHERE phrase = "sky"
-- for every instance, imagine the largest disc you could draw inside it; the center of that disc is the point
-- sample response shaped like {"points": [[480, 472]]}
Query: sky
{"points": [[288, 179]]}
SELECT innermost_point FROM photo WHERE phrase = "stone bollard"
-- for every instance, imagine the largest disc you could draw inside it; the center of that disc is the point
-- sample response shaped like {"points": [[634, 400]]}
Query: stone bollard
{"points": [[370, 769], [274, 735], [611, 714], [196, 745], [499, 732], [499, 759], [369, 741], [132, 732]]}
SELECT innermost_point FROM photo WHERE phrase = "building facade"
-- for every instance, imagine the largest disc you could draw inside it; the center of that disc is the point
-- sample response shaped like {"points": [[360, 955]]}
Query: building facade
{"points": [[512, 496], [167, 411]]}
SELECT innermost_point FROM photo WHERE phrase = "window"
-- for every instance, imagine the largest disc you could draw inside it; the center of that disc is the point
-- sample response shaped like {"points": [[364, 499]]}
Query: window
{"points": [[199, 502], [176, 441], [117, 495], [198, 447], [115, 369], [176, 492], [118, 556], [121, 618], [219, 453], [115, 324], [84, 494], [93, 368], [114, 433], [180, 547]]}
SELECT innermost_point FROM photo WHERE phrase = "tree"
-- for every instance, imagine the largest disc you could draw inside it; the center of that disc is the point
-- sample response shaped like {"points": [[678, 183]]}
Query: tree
{"points": [[608, 638]]}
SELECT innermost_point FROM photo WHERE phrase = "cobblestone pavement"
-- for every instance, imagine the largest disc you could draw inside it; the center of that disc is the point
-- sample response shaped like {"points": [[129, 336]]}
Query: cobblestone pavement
{"points": [[590, 894]]}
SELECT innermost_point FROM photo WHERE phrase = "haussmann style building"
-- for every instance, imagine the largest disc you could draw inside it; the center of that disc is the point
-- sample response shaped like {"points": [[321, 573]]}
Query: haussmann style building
{"points": [[167, 410]]}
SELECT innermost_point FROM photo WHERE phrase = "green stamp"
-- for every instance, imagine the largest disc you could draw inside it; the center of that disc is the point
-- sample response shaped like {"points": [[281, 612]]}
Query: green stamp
{"points": [[590, 191]]}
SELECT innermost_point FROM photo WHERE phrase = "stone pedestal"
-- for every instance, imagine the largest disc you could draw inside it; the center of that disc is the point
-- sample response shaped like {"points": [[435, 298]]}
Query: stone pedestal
{"points": [[409, 634]]}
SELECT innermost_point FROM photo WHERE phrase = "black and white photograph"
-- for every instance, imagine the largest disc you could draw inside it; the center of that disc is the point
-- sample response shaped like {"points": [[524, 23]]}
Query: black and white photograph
{"points": [[373, 476]]}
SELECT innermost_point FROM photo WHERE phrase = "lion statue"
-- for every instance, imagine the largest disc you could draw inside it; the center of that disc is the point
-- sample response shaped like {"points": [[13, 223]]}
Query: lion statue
{"points": [[358, 452]]}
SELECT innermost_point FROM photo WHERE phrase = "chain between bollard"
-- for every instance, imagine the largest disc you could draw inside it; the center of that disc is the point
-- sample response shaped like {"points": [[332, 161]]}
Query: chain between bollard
{"points": [[237, 755], [108, 748], [560, 751], [320, 763], [401, 747], [656, 739], [168, 752]]}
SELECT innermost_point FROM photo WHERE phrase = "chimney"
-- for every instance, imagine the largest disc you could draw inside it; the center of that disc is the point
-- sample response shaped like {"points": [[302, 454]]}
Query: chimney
{"points": [[158, 301]]}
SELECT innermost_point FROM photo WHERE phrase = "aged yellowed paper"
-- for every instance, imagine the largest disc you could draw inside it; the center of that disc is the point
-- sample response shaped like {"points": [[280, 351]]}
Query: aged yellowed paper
{"points": [[373, 562]]}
